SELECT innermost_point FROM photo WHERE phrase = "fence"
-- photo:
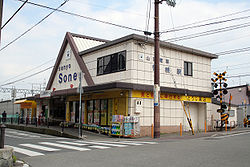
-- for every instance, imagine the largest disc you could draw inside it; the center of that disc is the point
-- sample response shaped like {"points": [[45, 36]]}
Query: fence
{"points": [[29, 121]]}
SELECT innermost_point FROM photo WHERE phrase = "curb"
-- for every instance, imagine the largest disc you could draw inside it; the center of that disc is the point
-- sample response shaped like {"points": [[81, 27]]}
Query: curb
{"points": [[41, 131]]}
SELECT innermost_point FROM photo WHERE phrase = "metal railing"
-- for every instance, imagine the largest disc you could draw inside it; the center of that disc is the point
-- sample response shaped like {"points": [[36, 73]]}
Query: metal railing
{"points": [[26, 121]]}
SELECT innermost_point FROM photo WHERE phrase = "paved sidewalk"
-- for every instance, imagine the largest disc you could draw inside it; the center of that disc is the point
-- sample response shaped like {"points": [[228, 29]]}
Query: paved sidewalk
{"points": [[89, 135]]}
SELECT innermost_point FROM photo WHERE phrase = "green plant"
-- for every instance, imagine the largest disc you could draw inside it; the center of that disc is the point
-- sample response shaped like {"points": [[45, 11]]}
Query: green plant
{"points": [[14, 158]]}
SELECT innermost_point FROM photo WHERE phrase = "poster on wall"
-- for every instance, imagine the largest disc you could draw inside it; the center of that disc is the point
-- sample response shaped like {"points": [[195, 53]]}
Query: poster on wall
{"points": [[131, 126], [90, 118], [96, 112], [72, 116], [117, 125], [96, 117]]}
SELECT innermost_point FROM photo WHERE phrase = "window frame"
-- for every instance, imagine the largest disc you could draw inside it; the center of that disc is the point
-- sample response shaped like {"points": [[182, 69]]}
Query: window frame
{"points": [[117, 62], [187, 69]]}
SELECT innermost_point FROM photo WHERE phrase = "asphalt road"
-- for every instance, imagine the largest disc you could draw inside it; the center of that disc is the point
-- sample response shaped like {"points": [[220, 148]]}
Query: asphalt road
{"points": [[230, 151]]}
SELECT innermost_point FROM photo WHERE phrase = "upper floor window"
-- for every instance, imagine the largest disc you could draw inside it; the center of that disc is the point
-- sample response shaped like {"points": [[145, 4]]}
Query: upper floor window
{"points": [[188, 68], [111, 63]]}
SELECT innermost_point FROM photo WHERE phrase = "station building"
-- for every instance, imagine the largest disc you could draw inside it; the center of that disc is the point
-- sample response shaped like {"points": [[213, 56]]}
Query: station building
{"points": [[118, 79]]}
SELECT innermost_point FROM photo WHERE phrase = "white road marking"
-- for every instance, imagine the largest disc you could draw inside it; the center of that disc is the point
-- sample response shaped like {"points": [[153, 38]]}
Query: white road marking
{"points": [[99, 147], [24, 134], [65, 146], [104, 144], [39, 147], [121, 142], [72, 143], [15, 136], [232, 135], [26, 152], [143, 142]]}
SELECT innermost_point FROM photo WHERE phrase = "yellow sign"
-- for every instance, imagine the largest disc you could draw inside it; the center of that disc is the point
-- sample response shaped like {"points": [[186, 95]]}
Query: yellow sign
{"points": [[168, 96], [26, 105]]}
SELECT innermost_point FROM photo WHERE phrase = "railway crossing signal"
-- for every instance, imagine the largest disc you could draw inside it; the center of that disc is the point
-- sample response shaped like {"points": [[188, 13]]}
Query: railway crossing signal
{"points": [[218, 92]]}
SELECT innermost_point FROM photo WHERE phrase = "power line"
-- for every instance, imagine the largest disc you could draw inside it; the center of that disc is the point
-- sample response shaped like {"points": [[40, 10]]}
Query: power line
{"points": [[241, 75], [85, 17], [215, 18], [209, 32], [234, 65], [28, 70], [33, 25], [233, 51], [14, 14], [109, 8], [224, 41], [232, 69], [207, 24], [28, 76]]}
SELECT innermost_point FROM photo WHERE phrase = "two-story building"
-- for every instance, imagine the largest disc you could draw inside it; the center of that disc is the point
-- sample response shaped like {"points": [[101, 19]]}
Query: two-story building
{"points": [[118, 79]]}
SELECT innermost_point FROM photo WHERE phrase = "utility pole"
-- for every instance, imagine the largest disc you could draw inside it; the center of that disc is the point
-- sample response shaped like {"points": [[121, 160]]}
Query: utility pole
{"points": [[80, 104], [156, 73], [1, 16], [156, 67]]}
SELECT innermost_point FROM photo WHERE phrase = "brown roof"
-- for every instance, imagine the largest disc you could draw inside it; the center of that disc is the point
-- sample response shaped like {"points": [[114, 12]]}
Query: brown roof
{"points": [[68, 39]]}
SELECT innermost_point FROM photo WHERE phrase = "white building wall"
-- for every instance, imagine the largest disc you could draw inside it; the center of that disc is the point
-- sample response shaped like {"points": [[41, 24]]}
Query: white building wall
{"points": [[171, 113], [213, 115], [91, 63], [7, 106], [67, 66], [139, 67]]}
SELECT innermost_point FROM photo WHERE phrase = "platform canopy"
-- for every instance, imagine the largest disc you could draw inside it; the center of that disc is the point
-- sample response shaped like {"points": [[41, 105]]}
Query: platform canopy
{"points": [[25, 103]]}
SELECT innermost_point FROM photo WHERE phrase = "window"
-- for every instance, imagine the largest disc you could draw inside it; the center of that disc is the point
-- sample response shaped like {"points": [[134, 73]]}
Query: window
{"points": [[122, 61], [106, 64], [99, 66], [67, 54], [188, 68], [111, 63]]}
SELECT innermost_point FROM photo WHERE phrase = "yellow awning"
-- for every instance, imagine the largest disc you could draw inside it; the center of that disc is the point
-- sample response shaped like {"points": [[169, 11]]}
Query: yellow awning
{"points": [[23, 101]]}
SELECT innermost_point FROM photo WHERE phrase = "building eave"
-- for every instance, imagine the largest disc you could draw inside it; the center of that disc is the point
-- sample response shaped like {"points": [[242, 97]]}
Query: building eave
{"points": [[129, 86]]}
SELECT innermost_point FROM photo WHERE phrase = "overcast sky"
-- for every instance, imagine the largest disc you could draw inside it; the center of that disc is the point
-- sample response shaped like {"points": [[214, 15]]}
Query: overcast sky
{"points": [[40, 46]]}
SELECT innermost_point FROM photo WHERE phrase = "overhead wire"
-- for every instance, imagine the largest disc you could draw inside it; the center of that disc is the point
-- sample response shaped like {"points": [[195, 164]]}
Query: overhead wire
{"points": [[85, 17], [240, 75], [33, 25], [235, 65], [209, 32], [224, 41], [233, 51], [109, 8], [207, 24], [172, 21], [28, 70], [242, 67], [27, 76], [215, 18], [14, 14]]}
